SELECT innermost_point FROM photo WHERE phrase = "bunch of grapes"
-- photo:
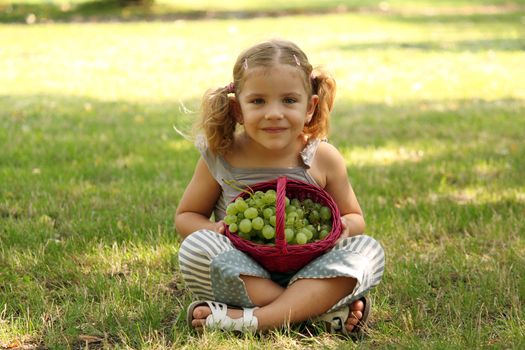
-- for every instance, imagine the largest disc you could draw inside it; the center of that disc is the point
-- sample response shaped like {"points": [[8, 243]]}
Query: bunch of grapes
{"points": [[254, 219]]}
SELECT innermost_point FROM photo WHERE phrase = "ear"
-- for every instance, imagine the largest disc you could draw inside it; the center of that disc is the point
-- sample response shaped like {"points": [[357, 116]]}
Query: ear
{"points": [[312, 104], [235, 108]]}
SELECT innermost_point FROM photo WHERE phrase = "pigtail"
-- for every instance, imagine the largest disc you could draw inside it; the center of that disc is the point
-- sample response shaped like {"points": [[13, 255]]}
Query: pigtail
{"points": [[323, 85], [218, 120]]}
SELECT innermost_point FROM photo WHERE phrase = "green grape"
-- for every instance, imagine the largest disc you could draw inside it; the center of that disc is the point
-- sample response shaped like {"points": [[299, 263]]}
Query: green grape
{"points": [[230, 219], [270, 197], [325, 213], [254, 218], [241, 205], [309, 234], [313, 217], [299, 224], [290, 209], [257, 223], [268, 232], [267, 213], [250, 213], [289, 234], [311, 228], [245, 236], [256, 233], [300, 238], [259, 203], [231, 209], [245, 225], [308, 203], [326, 227]]}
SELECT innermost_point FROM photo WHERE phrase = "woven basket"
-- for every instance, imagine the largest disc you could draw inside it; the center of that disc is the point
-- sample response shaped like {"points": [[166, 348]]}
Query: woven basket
{"points": [[284, 257]]}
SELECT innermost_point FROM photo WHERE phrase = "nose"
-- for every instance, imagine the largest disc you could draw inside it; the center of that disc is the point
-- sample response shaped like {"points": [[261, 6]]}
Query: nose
{"points": [[273, 111]]}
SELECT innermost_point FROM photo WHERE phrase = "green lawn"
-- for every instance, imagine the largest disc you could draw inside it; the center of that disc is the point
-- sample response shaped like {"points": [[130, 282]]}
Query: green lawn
{"points": [[430, 116]]}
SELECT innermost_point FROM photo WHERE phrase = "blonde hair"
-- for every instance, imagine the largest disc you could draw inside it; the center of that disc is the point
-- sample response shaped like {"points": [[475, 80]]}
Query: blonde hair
{"points": [[218, 119]]}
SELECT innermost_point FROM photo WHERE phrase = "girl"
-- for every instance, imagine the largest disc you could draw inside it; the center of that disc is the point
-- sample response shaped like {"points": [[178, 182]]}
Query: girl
{"points": [[283, 108]]}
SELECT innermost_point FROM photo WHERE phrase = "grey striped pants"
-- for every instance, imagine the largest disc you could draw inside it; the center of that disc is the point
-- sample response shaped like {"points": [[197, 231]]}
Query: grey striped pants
{"points": [[211, 266]]}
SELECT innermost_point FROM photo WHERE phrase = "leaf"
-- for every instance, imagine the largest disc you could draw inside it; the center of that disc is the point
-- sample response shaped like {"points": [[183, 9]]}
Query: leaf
{"points": [[90, 338], [13, 344]]}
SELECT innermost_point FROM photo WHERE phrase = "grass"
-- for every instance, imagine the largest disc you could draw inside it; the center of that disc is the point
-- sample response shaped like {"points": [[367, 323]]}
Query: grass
{"points": [[429, 116]]}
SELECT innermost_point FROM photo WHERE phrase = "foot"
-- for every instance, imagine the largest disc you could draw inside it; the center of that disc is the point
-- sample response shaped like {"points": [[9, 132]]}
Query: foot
{"points": [[201, 312], [355, 315], [218, 316]]}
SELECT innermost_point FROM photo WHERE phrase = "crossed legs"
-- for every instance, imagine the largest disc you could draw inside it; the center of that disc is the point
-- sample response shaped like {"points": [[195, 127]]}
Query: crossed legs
{"points": [[206, 256], [304, 299]]}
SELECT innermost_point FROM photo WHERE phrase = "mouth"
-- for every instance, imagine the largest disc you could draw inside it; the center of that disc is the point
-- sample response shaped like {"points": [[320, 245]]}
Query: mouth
{"points": [[273, 130]]}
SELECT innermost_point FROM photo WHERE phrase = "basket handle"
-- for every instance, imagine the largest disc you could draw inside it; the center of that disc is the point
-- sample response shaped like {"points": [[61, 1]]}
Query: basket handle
{"points": [[280, 238]]}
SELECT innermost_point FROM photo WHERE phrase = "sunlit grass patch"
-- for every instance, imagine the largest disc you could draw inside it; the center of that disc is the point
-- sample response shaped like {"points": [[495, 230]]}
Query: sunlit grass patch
{"points": [[482, 195], [382, 156]]}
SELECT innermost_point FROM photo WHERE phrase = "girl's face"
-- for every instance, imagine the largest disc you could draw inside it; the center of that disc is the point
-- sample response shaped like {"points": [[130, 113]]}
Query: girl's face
{"points": [[274, 106]]}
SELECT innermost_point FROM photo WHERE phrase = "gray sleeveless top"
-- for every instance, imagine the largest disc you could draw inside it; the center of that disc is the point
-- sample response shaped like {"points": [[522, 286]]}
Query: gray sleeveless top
{"points": [[223, 172]]}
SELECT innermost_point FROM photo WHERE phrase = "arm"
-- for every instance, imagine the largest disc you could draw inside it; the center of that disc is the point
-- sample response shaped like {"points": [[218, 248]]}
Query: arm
{"points": [[332, 165], [197, 203]]}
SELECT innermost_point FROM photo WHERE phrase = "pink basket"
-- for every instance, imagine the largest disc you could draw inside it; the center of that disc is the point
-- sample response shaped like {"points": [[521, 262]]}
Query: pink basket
{"points": [[284, 257]]}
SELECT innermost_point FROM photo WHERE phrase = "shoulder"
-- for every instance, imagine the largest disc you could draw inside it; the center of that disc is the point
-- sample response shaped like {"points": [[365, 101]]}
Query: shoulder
{"points": [[329, 157], [328, 165]]}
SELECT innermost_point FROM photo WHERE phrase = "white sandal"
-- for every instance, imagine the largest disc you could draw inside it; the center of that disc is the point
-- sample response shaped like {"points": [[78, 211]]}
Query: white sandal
{"points": [[335, 320], [219, 319]]}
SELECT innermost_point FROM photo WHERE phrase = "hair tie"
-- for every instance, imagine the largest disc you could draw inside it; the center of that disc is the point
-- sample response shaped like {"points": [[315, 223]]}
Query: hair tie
{"points": [[230, 88], [297, 60]]}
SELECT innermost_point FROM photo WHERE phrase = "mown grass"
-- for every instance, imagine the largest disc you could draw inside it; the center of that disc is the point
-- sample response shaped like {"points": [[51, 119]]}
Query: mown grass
{"points": [[429, 115]]}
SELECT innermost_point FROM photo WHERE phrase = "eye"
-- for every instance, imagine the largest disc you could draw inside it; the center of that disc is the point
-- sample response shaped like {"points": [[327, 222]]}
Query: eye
{"points": [[257, 101], [289, 100]]}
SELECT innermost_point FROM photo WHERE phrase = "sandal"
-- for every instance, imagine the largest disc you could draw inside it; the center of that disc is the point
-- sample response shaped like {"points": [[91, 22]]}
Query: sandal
{"points": [[335, 320], [219, 319]]}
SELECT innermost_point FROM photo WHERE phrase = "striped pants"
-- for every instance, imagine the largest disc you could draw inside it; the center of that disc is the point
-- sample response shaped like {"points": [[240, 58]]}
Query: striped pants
{"points": [[211, 266]]}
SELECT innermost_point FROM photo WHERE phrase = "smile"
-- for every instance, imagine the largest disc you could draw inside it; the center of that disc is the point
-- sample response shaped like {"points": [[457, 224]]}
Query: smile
{"points": [[274, 130]]}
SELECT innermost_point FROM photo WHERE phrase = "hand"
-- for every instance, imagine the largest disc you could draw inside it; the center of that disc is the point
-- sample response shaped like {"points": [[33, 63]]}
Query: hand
{"points": [[345, 232], [218, 227]]}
